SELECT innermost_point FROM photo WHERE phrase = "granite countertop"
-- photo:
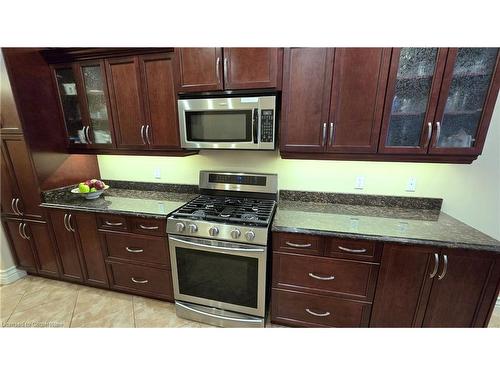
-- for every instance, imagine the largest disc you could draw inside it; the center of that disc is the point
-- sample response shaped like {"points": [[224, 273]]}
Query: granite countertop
{"points": [[145, 200], [396, 223]]}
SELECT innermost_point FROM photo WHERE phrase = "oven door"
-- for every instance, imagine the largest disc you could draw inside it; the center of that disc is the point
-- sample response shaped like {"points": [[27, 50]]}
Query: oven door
{"points": [[225, 275]]}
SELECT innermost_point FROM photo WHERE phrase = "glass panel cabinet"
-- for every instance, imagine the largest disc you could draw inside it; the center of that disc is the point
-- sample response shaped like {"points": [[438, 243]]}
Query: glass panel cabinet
{"points": [[83, 86]]}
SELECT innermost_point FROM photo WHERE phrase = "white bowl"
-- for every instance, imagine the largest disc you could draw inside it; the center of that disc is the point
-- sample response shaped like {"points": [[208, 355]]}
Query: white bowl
{"points": [[92, 195]]}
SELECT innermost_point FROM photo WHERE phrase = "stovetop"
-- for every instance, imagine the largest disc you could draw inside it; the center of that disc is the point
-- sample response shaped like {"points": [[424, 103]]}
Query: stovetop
{"points": [[230, 210]]}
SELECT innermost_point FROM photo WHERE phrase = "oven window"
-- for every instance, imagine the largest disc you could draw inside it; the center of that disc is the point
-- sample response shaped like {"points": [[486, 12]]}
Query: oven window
{"points": [[219, 126], [219, 277]]}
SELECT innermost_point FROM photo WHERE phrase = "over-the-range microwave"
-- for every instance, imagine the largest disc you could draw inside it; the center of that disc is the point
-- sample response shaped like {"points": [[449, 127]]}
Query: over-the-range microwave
{"points": [[228, 122]]}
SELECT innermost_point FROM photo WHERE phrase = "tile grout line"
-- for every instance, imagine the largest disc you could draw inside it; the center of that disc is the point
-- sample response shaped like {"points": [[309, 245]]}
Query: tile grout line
{"points": [[15, 307], [74, 306]]}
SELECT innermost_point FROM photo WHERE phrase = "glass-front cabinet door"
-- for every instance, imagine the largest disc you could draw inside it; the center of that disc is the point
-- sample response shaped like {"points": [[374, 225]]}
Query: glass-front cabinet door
{"points": [[411, 99], [466, 102]]}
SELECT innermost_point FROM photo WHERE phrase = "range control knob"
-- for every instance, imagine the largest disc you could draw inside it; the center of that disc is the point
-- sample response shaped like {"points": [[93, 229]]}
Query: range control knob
{"points": [[192, 228], [180, 227], [235, 233], [213, 231], [250, 235]]}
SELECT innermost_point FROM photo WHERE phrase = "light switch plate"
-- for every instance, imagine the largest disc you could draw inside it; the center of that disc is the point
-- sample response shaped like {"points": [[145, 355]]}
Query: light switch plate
{"points": [[157, 173]]}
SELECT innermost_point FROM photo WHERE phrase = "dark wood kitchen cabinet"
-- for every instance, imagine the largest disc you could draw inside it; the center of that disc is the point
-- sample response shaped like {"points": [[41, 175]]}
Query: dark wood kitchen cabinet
{"points": [[143, 101], [79, 247], [333, 99], [21, 247], [212, 69], [9, 118]]}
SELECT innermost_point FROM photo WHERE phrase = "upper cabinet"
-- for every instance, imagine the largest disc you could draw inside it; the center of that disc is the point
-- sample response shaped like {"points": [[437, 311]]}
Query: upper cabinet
{"points": [[9, 118], [212, 69], [333, 99]]}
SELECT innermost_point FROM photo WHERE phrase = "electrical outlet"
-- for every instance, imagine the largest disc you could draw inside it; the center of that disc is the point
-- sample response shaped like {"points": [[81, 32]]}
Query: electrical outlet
{"points": [[360, 182], [354, 221], [157, 173], [412, 184], [403, 226]]}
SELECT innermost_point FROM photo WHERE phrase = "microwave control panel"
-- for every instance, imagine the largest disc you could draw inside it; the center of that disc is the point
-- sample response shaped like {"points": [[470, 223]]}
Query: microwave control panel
{"points": [[266, 125]]}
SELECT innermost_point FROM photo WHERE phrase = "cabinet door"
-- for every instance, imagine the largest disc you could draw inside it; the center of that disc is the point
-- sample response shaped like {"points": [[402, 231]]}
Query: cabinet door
{"points": [[403, 286], [43, 248], [9, 192], [160, 101], [66, 244], [252, 68], [307, 80], [95, 100], [94, 268], [27, 183], [20, 246], [457, 291], [199, 69], [357, 100], [9, 118], [410, 104], [126, 102], [468, 96]]}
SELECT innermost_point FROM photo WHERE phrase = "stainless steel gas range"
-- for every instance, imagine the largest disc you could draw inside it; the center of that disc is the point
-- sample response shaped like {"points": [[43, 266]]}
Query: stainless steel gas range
{"points": [[219, 249]]}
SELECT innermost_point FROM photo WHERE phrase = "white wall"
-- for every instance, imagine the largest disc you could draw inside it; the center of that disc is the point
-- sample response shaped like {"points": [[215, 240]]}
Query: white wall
{"points": [[6, 260]]}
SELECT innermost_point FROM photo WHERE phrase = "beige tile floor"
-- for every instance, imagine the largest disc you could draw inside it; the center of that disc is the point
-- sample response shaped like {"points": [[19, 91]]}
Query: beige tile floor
{"points": [[39, 302]]}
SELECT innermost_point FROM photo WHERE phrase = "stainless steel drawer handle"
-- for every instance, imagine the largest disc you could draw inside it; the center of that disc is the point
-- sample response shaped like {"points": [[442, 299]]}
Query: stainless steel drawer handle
{"points": [[352, 250], [66, 222], [147, 228], [132, 250], [144, 281], [17, 207], [113, 224], [20, 229], [436, 265], [445, 268], [24, 232], [13, 206], [317, 314], [291, 244], [321, 277]]}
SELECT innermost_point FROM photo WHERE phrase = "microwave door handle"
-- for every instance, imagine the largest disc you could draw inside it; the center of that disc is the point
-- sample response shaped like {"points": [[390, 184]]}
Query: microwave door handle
{"points": [[255, 123]]}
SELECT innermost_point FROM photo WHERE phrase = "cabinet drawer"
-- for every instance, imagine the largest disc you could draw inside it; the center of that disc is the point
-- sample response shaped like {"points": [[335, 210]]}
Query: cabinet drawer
{"points": [[112, 222], [340, 277], [143, 280], [298, 243], [309, 310], [152, 227], [140, 249], [352, 249]]}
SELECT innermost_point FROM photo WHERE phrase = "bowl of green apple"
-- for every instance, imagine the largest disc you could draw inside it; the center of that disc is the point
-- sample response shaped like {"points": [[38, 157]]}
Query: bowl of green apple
{"points": [[90, 189]]}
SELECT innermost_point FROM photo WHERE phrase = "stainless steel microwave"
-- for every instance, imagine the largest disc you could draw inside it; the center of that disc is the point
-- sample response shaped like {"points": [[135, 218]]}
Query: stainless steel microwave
{"points": [[243, 123]]}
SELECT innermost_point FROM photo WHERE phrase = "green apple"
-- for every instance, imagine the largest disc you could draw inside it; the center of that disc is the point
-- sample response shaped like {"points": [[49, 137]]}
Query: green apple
{"points": [[83, 188], [93, 190]]}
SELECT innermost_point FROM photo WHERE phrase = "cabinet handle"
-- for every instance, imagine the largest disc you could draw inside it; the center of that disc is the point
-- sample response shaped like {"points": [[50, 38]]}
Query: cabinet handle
{"points": [[24, 232], [13, 206], [317, 314], [132, 250], [225, 69], [429, 133], [113, 224], [436, 265], [20, 229], [147, 134], [438, 133], [358, 251], [144, 281], [217, 69], [291, 244], [69, 223], [445, 268], [17, 207], [142, 134], [321, 277], [324, 135], [66, 222], [330, 140], [147, 228], [87, 135]]}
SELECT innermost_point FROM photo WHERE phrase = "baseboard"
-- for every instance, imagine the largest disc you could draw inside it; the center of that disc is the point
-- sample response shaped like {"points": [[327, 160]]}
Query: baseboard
{"points": [[10, 275]]}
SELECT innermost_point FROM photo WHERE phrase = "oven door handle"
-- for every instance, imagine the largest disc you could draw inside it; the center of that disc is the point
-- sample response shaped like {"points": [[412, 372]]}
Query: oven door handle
{"points": [[200, 244]]}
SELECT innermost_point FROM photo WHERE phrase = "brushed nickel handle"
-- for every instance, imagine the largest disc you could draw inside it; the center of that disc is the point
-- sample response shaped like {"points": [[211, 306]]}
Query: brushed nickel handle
{"points": [[225, 69], [87, 135], [132, 250], [357, 251], [217, 69], [324, 135], [20, 229], [317, 314], [144, 281], [321, 277], [17, 207], [438, 133], [113, 224], [445, 268], [24, 232], [147, 134], [66, 222], [291, 244], [142, 134], [436, 265], [69, 223], [13, 206], [429, 133], [148, 228], [330, 140]]}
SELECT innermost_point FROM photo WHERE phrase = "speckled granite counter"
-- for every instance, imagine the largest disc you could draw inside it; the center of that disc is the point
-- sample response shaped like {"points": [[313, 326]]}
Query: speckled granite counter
{"points": [[123, 198], [389, 224]]}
